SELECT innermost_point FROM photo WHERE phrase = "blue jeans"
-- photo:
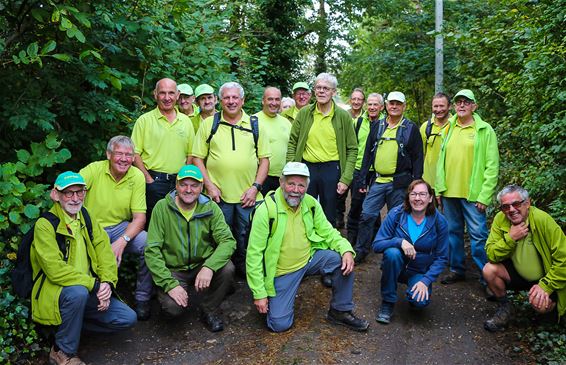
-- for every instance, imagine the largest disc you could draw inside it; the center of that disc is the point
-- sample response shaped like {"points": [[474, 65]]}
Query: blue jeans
{"points": [[377, 196], [281, 314], [393, 270], [79, 311], [457, 212], [144, 282], [237, 218]]}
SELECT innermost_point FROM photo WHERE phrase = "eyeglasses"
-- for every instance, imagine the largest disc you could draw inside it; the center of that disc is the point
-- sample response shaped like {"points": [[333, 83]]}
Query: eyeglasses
{"points": [[69, 193], [507, 207], [122, 155], [422, 194], [323, 89], [465, 102]]}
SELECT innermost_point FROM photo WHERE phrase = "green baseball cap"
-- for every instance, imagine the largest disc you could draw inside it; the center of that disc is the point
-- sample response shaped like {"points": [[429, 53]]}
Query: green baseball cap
{"points": [[185, 89], [203, 89], [190, 171], [67, 179], [466, 93], [301, 85]]}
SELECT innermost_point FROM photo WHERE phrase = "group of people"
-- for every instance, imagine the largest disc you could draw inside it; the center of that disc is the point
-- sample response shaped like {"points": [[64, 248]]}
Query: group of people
{"points": [[201, 195]]}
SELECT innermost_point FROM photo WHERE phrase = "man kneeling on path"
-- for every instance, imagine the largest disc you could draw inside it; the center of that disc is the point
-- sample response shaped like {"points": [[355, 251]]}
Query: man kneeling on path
{"points": [[73, 290], [526, 250], [189, 241], [290, 237]]}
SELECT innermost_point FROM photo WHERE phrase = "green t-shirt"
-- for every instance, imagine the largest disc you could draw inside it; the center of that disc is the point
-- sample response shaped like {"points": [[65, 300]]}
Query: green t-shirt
{"points": [[459, 161], [277, 130], [526, 259], [321, 143], [295, 246], [431, 148], [187, 214], [362, 139], [385, 162]]}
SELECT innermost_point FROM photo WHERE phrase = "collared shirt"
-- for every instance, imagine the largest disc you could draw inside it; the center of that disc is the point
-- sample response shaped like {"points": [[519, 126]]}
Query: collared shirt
{"points": [[321, 142], [77, 255], [163, 146], [385, 162], [277, 130], [431, 148], [109, 201], [459, 161]]}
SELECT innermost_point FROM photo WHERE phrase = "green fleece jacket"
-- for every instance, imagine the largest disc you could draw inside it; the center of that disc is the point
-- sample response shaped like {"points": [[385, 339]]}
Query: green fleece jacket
{"points": [[209, 242], [45, 255], [485, 169], [346, 140], [263, 248], [549, 241]]}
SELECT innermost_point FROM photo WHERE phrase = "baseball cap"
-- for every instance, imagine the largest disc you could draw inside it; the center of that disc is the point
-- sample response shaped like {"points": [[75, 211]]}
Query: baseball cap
{"points": [[68, 178], [203, 89], [185, 89], [397, 96], [190, 171], [301, 85], [468, 94], [296, 168]]}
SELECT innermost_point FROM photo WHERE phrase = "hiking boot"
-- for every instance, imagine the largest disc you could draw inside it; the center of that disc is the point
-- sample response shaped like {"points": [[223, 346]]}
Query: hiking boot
{"points": [[489, 294], [385, 313], [347, 319], [212, 321], [452, 278], [143, 310], [501, 318], [61, 358], [326, 280], [360, 258]]}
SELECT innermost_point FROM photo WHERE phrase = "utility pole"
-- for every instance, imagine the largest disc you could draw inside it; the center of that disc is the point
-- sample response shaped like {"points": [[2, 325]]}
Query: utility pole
{"points": [[438, 49]]}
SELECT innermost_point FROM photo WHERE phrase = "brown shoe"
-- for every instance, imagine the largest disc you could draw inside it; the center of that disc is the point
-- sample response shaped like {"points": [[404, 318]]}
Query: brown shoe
{"points": [[61, 358]]}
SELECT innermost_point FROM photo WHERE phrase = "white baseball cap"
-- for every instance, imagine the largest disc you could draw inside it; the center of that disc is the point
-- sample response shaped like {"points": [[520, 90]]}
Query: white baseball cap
{"points": [[397, 96], [296, 168]]}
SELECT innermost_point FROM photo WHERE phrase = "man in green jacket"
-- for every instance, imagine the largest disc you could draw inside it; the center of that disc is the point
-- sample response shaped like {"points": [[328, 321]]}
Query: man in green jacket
{"points": [[290, 238], [466, 177], [526, 250], [75, 285], [177, 259]]}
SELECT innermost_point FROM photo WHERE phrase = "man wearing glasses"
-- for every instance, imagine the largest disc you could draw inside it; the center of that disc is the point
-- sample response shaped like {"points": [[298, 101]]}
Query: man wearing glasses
{"points": [[75, 284], [302, 97], [116, 199], [526, 250], [466, 177]]}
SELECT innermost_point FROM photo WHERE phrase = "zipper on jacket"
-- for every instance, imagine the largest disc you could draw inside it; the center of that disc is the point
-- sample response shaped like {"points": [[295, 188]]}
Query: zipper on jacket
{"points": [[40, 286]]}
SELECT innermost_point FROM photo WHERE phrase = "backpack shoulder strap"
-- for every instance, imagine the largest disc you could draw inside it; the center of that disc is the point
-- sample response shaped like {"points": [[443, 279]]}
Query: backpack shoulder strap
{"points": [[54, 220], [358, 125], [403, 134], [255, 130], [88, 222], [215, 124], [428, 128]]}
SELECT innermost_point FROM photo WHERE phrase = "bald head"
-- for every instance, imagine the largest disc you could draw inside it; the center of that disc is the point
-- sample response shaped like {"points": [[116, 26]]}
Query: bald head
{"points": [[166, 95], [271, 101]]}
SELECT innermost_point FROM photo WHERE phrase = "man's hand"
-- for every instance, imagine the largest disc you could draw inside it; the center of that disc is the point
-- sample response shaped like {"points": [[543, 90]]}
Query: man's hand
{"points": [[347, 263], [179, 295], [149, 179], [213, 192], [481, 207], [363, 190], [439, 201], [408, 249], [118, 247], [248, 197], [203, 278], [341, 188], [420, 291], [519, 231], [539, 299], [261, 305], [104, 293]]}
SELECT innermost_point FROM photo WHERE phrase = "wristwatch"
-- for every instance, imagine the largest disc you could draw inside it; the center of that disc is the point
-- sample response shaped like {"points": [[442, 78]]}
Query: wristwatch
{"points": [[257, 185], [126, 238]]}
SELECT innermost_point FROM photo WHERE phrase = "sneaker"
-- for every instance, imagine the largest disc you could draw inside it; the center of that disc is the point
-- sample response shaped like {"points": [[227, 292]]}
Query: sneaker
{"points": [[143, 310], [347, 319], [501, 318], [452, 278], [385, 312], [61, 358], [326, 280], [212, 321]]}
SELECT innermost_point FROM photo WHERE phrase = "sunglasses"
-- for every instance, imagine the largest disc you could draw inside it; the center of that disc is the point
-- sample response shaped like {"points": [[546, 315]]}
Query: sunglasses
{"points": [[507, 207]]}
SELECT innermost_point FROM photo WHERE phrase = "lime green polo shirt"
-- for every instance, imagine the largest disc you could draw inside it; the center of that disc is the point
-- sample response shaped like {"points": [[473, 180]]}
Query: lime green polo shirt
{"points": [[526, 259], [385, 162], [321, 142], [459, 161], [362, 139], [291, 113], [277, 130], [231, 160], [295, 250], [163, 146], [112, 202], [78, 257], [431, 148]]}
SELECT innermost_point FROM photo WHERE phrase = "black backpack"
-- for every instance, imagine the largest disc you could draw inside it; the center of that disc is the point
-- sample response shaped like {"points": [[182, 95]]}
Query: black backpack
{"points": [[22, 274], [254, 131]]}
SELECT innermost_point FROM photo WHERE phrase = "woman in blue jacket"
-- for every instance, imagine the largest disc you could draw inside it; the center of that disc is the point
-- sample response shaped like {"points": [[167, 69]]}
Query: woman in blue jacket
{"points": [[414, 243]]}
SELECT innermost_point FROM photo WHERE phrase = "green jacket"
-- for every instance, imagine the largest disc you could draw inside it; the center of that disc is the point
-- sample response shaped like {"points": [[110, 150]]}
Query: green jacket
{"points": [[346, 140], [45, 255], [263, 249], [549, 241], [209, 242], [485, 168]]}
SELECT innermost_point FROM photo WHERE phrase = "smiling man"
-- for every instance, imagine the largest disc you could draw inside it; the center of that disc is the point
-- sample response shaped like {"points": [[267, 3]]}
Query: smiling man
{"points": [[277, 130], [526, 250], [186, 102], [116, 199], [189, 243], [302, 97], [206, 101]]}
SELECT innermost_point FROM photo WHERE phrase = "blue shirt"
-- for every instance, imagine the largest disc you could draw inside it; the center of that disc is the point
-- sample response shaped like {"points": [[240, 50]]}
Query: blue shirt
{"points": [[415, 229]]}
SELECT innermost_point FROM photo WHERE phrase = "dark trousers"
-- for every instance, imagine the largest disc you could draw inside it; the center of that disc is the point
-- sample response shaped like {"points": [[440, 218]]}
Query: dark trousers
{"points": [[356, 203], [341, 207], [154, 192], [271, 183], [323, 182]]}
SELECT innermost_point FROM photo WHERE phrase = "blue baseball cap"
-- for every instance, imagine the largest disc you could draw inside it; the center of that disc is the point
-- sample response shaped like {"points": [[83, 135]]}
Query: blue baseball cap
{"points": [[68, 178], [190, 171]]}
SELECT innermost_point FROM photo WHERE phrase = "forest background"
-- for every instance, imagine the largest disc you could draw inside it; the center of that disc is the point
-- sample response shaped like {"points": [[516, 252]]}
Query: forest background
{"points": [[76, 73]]}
